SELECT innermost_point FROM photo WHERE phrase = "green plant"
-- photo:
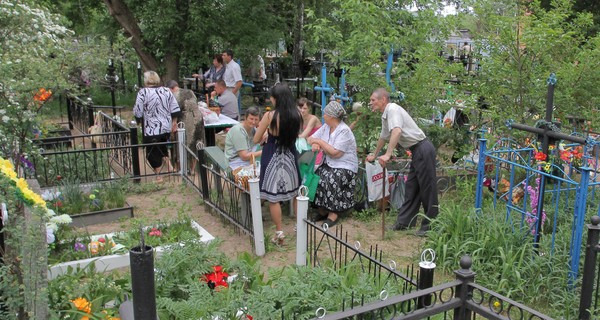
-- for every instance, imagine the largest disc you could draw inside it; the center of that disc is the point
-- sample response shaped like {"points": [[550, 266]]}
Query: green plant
{"points": [[101, 289]]}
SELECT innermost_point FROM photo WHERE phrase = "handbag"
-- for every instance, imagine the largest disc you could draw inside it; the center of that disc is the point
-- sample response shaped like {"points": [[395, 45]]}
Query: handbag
{"points": [[309, 178]]}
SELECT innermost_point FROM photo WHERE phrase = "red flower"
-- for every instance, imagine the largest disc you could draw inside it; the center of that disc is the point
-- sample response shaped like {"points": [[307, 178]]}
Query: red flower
{"points": [[59, 203], [101, 240], [566, 155], [218, 278], [578, 152], [540, 156], [408, 153]]}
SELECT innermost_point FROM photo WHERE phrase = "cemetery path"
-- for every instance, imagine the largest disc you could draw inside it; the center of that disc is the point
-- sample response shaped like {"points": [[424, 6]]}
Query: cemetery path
{"points": [[166, 201]]}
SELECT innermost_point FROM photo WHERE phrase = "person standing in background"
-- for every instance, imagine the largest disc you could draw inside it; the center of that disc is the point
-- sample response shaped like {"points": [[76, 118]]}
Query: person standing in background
{"points": [[158, 108], [398, 127], [233, 73]]}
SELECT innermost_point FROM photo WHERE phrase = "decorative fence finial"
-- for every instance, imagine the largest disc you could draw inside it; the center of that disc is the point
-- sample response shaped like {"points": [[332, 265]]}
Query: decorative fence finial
{"points": [[552, 79]]}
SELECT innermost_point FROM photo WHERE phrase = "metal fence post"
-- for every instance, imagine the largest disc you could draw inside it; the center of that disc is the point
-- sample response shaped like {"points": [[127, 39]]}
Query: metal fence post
{"points": [[259, 236], [578, 221], [70, 112], [480, 175], [135, 154], [426, 270], [301, 227], [462, 291], [589, 268], [181, 148], [203, 173]]}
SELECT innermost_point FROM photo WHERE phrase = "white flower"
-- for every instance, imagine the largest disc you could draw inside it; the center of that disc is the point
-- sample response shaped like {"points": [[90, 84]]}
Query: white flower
{"points": [[51, 225], [49, 195], [5, 119], [62, 219], [50, 213], [2, 111], [50, 238]]}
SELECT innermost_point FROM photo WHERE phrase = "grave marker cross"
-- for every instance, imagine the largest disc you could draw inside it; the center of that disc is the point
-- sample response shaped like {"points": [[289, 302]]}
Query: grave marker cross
{"points": [[546, 132]]}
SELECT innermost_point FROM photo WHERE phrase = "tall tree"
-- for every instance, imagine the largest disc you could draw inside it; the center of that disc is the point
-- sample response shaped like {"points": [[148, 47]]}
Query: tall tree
{"points": [[163, 33]]}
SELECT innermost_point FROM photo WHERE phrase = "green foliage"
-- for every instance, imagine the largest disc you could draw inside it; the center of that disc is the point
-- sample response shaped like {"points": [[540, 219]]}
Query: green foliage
{"points": [[77, 166], [98, 288], [504, 257]]}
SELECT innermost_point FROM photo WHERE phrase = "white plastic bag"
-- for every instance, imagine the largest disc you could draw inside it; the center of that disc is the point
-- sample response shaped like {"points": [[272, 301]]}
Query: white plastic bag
{"points": [[375, 181], [209, 116]]}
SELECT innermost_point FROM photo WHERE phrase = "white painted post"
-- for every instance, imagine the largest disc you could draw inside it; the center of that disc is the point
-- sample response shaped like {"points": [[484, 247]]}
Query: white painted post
{"points": [[181, 148], [301, 226], [259, 235]]}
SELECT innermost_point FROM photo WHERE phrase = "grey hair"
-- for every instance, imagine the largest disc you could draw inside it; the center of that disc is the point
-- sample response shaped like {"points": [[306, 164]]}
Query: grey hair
{"points": [[382, 93], [151, 79]]}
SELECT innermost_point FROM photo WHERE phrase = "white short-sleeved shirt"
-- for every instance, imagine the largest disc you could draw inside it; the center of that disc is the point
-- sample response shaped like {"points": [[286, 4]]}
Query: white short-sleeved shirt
{"points": [[341, 139], [394, 116], [233, 74]]}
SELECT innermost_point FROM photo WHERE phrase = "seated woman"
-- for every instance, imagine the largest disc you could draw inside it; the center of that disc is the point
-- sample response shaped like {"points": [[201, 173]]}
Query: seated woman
{"points": [[310, 122], [335, 192]]}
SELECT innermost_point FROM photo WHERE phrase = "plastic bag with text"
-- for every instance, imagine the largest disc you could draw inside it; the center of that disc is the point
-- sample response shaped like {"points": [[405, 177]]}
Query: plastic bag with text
{"points": [[375, 181]]}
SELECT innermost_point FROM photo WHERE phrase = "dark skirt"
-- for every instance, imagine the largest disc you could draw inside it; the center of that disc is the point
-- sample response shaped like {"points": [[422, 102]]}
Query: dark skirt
{"points": [[335, 192], [155, 154]]}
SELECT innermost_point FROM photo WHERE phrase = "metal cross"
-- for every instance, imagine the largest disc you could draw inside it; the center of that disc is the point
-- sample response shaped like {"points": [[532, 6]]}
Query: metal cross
{"points": [[546, 132]]}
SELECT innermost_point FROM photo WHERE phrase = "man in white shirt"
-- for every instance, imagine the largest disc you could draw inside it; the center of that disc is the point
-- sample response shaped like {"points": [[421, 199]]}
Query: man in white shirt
{"points": [[398, 127], [233, 72]]}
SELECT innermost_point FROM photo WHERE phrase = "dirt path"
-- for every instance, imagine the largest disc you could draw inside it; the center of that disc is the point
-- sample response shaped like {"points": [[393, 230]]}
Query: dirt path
{"points": [[168, 200]]}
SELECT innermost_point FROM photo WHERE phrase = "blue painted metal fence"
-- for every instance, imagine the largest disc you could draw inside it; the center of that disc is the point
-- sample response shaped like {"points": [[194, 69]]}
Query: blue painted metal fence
{"points": [[515, 174]]}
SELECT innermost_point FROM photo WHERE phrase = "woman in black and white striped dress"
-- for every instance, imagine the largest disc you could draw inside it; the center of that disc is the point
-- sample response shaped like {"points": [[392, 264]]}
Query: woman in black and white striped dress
{"points": [[158, 109]]}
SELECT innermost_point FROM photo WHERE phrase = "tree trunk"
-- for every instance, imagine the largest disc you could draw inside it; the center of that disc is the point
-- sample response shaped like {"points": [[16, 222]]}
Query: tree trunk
{"points": [[121, 13], [171, 67]]}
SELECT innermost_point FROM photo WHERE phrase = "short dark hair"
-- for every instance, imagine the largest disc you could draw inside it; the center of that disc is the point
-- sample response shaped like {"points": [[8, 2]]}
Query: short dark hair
{"points": [[221, 83], [302, 101], [252, 111], [171, 84], [229, 52], [219, 58]]}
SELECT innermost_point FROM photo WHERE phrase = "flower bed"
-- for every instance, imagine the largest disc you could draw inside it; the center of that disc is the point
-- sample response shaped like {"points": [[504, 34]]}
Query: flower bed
{"points": [[89, 205], [111, 243], [102, 216]]}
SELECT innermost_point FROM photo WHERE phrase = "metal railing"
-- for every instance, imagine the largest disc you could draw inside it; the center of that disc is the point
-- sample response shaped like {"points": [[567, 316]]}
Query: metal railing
{"points": [[590, 282], [459, 299]]}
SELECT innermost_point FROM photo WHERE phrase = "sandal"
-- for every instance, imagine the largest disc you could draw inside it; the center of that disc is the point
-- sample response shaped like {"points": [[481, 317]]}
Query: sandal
{"points": [[278, 238], [318, 217], [330, 223]]}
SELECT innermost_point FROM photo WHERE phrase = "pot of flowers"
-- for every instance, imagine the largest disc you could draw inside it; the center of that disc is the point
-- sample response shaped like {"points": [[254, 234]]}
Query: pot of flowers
{"points": [[76, 249], [100, 204]]}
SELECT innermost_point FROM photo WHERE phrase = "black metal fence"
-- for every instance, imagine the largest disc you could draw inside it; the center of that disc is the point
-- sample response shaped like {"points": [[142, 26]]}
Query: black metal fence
{"points": [[80, 113], [459, 299], [590, 282], [219, 190]]}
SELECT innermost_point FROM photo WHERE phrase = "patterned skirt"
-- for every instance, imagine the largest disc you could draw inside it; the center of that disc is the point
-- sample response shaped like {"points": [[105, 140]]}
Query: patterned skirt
{"points": [[335, 192]]}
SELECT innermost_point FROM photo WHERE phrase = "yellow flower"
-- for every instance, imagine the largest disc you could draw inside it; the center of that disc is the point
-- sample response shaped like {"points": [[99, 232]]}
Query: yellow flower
{"points": [[496, 304], [92, 196], [22, 184], [82, 304], [547, 167]]}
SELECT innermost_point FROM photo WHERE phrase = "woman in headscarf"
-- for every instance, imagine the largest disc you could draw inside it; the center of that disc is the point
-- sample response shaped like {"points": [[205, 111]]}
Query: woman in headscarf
{"points": [[335, 193]]}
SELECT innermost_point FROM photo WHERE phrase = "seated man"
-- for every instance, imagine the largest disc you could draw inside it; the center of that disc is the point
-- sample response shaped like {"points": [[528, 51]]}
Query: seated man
{"points": [[226, 100], [239, 147]]}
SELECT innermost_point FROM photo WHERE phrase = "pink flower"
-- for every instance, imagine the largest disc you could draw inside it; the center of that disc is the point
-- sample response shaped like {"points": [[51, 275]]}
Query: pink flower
{"points": [[155, 233]]}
